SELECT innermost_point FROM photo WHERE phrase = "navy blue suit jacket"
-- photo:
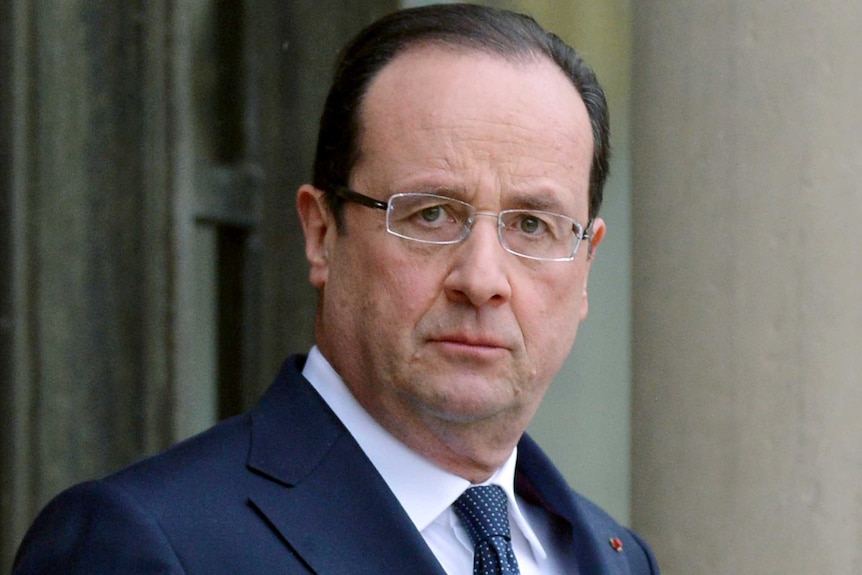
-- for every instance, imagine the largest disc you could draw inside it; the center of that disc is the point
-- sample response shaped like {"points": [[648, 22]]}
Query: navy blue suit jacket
{"points": [[283, 488]]}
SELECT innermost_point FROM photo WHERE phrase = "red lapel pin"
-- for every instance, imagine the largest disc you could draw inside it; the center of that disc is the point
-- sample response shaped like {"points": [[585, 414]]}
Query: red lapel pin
{"points": [[617, 544]]}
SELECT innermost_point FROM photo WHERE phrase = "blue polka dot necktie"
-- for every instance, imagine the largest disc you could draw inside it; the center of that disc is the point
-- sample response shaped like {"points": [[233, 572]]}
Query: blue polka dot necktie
{"points": [[483, 512]]}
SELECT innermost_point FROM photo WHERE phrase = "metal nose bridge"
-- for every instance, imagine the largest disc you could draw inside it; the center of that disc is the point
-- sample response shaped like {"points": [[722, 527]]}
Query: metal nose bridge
{"points": [[472, 220]]}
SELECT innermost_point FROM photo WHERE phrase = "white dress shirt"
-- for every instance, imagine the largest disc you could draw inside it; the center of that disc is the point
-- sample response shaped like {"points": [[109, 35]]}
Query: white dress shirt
{"points": [[427, 491]]}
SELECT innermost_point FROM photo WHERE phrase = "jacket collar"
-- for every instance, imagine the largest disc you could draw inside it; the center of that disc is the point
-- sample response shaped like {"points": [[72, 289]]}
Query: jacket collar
{"points": [[601, 546], [323, 495]]}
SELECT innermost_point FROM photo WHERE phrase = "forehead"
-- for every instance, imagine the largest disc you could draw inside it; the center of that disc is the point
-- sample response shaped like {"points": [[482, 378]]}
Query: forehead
{"points": [[441, 117]]}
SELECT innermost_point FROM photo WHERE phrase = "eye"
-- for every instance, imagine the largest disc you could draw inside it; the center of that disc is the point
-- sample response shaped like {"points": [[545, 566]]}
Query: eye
{"points": [[530, 224], [432, 214]]}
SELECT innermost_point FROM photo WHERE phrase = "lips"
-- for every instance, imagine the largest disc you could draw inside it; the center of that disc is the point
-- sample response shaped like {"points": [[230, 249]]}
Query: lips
{"points": [[471, 341]]}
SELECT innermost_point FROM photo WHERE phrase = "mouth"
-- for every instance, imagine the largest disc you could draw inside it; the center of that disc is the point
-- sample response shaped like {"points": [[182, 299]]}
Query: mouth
{"points": [[471, 345]]}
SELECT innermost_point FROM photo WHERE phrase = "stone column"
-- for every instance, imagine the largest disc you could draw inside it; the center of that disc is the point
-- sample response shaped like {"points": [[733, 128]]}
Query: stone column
{"points": [[747, 163]]}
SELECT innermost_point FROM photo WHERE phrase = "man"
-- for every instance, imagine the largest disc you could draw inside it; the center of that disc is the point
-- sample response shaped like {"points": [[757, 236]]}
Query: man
{"points": [[450, 230]]}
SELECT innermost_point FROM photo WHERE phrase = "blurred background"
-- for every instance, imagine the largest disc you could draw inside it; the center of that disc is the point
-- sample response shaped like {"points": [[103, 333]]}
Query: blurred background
{"points": [[152, 277]]}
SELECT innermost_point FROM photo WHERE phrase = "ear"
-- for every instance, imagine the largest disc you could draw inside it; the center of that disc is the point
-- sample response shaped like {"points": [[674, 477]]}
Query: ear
{"points": [[318, 226], [596, 237]]}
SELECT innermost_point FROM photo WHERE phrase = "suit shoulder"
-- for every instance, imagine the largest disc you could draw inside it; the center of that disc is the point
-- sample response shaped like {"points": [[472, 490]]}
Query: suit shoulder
{"points": [[95, 527], [221, 447]]}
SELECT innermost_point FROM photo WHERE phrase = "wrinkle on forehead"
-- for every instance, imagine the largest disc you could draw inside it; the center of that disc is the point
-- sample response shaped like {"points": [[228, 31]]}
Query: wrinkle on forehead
{"points": [[479, 118]]}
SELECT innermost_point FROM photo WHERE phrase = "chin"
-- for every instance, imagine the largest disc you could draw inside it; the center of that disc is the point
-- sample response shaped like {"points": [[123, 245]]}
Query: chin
{"points": [[470, 409]]}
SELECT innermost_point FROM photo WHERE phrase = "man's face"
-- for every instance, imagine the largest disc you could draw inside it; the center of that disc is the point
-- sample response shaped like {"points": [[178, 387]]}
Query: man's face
{"points": [[466, 334]]}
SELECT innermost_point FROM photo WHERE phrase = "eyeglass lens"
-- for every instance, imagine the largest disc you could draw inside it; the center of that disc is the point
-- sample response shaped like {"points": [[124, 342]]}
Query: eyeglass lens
{"points": [[441, 220]]}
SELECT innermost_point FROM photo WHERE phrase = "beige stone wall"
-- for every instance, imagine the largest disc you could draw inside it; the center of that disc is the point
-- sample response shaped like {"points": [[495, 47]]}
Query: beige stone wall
{"points": [[747, 176]]}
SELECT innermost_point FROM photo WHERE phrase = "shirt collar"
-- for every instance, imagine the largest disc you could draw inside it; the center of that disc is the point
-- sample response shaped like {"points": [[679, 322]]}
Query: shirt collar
{"points": [[423, 489]]}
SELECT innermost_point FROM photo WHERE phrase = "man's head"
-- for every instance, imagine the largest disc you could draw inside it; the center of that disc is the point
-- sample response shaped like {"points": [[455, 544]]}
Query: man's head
{"points": [[511, 36], [451, 346]]}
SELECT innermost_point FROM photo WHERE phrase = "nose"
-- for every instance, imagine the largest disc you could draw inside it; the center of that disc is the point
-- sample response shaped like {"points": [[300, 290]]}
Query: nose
{"points": [[479, 267]]}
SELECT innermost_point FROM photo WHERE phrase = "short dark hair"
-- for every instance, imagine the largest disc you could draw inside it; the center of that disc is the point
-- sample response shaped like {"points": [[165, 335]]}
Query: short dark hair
{"points": [[513, 36]]}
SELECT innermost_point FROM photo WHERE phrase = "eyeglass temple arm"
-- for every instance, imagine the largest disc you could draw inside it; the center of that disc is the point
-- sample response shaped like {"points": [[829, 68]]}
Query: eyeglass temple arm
{"points": [[357, 198], [587, 234]]}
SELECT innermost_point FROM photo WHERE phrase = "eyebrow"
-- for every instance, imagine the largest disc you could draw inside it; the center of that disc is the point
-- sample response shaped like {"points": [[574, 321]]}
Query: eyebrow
{"points": [[454, 192], [545, 202]]}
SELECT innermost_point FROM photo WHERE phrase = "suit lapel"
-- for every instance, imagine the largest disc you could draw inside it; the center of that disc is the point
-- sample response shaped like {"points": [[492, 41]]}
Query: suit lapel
{"points": [[322, 494], [593, 532]]}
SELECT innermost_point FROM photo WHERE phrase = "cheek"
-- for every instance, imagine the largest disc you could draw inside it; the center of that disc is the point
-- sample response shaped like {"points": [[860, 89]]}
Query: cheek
{"points": [[398, 287], [550, 316], [416, 291]]}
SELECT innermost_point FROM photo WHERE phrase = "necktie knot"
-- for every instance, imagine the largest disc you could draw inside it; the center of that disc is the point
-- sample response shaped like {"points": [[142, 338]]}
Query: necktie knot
{"points": [[484, 513]]}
